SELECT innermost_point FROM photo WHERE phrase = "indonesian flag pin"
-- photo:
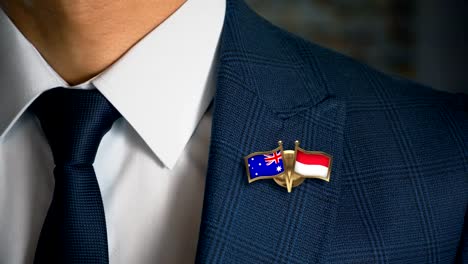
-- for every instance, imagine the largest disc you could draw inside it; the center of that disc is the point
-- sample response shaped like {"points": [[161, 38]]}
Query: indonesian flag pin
{"points": [[288, 168]]}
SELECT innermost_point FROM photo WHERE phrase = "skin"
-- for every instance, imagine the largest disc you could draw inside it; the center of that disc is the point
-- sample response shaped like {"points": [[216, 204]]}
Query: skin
{"points": [[81, 38]]}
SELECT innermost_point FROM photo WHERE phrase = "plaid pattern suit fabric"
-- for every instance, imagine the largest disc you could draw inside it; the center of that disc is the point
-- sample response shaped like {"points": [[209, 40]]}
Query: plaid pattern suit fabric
{"points": [[399, 183]]}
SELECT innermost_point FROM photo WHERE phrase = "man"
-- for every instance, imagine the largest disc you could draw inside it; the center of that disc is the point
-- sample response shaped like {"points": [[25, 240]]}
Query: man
{"points": [[137, 79]]}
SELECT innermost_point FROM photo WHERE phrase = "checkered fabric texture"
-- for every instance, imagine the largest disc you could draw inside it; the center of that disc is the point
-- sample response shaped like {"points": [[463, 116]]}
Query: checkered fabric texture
{"points": [[74, 122], [398, 191]]}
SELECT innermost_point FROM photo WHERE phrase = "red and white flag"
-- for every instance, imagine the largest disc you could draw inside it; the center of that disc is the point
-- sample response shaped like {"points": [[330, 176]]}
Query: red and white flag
{"points": [[315, 164]]}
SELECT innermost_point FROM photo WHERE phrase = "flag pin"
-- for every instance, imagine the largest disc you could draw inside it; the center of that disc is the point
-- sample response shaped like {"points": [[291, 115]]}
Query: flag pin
{"points": [[288, 168]]}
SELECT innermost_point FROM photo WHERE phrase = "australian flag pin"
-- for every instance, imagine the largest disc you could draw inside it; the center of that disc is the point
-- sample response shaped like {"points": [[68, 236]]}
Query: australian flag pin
{"points": [[288, 168]]}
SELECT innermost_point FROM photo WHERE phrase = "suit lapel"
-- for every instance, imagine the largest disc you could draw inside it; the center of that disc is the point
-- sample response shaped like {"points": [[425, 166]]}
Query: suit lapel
{"points": [[265, 94]]}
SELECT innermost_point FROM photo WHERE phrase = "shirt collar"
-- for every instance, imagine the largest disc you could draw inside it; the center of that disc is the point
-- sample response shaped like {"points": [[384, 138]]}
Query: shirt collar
{"points": [[162, 86]]}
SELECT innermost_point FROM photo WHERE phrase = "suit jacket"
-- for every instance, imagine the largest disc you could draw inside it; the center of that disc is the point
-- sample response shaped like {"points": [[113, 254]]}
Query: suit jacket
{"points": [[398, 190]]}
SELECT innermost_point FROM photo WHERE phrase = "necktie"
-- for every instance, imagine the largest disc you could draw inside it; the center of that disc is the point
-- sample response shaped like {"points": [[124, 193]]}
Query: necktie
{"points": [[74, 122]]}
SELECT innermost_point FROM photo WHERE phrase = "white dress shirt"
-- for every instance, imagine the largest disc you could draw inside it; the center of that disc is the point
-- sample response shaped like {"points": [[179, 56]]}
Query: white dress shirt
{"points": [[150, 166]]}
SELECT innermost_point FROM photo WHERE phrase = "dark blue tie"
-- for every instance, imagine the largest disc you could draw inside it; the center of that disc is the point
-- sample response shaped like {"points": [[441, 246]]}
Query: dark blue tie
{"points": [[74, 122]]}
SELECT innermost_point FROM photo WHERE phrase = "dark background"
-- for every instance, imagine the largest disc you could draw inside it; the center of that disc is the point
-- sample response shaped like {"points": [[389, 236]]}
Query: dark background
{"points": [[424, 40]]}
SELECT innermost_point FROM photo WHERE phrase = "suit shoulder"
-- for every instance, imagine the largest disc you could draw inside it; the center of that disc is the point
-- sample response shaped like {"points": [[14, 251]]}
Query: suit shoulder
{"points": [[351, 79], [297, 72]]}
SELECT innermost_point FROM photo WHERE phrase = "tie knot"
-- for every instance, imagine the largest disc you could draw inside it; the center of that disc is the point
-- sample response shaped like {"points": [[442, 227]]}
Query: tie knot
{"points": [[74, 122]]}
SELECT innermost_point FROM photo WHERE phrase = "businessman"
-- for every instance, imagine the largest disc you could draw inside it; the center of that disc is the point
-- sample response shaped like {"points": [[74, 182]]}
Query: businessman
{"points": [[124, 125]]}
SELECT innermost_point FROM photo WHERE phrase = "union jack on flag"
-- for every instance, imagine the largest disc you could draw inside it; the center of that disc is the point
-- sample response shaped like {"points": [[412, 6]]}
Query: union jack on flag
{"points": [[275, 157]]}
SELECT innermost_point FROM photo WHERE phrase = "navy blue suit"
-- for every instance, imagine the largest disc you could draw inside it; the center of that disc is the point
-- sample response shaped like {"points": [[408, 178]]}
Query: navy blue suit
{"points": [[398, 191]]}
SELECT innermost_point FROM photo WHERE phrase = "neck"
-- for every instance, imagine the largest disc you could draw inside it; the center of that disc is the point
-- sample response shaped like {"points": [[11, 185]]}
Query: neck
{"points": [[80, 39]]}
